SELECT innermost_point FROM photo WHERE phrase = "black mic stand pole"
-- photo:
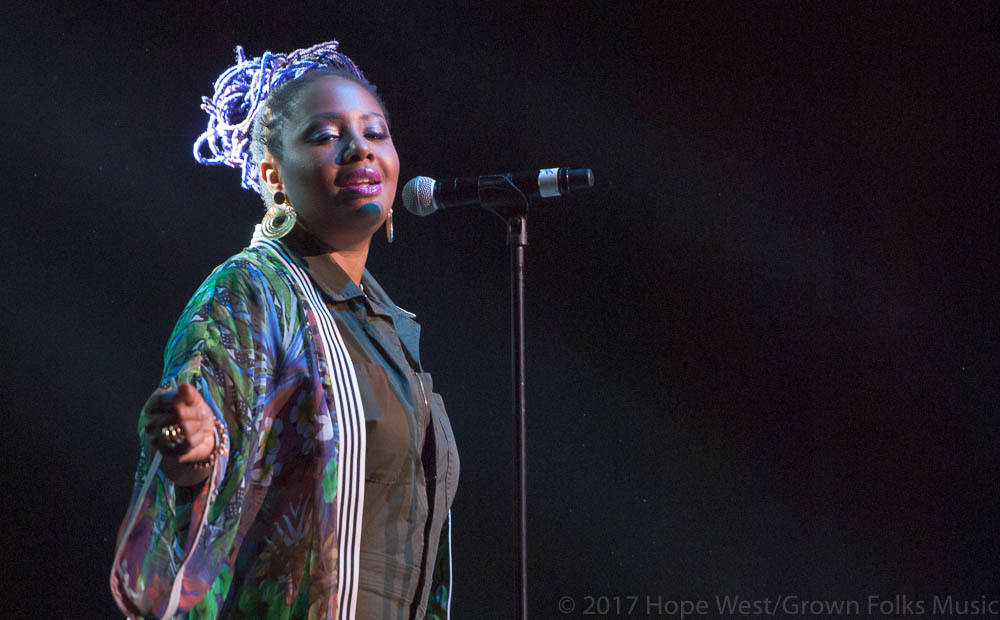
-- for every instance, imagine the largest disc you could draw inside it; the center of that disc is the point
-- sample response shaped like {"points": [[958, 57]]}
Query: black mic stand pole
{"points": [[504, 199], [517, 238]]}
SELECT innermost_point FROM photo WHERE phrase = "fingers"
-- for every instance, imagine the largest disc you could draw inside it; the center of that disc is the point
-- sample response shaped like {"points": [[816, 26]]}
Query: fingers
{"points": [[189, 439], [161, 400], [186, 408], [187, 394], [168, 400], [176, 406]]}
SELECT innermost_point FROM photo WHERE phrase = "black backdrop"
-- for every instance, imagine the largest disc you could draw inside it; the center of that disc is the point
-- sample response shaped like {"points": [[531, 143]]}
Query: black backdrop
{"points": [[762, 351]]}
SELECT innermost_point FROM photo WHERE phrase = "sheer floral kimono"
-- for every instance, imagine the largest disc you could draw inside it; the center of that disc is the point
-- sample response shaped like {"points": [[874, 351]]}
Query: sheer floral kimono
{"points": [[274, 532]]}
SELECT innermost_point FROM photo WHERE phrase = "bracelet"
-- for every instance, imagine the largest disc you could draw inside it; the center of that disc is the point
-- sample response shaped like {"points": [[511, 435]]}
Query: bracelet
{"points": [[221, 447]]}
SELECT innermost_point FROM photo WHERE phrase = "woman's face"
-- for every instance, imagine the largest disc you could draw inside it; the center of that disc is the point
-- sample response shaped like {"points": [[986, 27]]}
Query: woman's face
{"points": [[339, 167]]}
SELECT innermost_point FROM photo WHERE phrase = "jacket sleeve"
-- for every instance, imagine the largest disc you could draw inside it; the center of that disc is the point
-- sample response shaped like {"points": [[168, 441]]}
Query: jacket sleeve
{"points": [[175, 543]]}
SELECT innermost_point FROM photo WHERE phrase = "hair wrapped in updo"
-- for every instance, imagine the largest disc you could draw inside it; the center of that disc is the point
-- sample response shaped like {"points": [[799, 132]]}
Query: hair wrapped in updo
{"points": [[246, 113]]}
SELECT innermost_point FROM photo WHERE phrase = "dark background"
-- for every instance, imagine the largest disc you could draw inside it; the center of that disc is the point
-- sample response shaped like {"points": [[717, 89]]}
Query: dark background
{"points": [[762, 351]]}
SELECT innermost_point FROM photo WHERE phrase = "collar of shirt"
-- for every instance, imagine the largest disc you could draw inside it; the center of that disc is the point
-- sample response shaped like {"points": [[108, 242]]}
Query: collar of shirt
{"points": [[333, 281], [331, 278]]}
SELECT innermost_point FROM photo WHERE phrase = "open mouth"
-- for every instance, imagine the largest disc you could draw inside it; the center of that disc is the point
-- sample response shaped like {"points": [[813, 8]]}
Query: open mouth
{"points": [[365, 181]]}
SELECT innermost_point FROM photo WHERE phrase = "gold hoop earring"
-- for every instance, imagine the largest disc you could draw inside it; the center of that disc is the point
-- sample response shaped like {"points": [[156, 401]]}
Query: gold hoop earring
{"points": [[388, 226], [279, 219]]}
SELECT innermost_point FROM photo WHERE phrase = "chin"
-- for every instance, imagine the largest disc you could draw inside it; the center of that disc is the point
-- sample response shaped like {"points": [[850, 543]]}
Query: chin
{"points": [[373, 209]]}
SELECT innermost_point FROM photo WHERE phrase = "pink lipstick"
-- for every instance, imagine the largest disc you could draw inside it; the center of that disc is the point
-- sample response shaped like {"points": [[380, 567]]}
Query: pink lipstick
{"points": [[362, 181]]}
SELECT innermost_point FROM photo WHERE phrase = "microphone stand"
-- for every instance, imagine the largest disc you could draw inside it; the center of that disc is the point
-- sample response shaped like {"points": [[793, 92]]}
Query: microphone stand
{"points": [[501, 197]]}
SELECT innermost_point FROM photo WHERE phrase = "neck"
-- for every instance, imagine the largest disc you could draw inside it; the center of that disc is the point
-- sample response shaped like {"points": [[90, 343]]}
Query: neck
{"points": [[350, 257], [352, 262]]}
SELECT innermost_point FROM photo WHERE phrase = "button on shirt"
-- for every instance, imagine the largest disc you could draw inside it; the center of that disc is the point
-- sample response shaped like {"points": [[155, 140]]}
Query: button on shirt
{"points": [[411, 464]]}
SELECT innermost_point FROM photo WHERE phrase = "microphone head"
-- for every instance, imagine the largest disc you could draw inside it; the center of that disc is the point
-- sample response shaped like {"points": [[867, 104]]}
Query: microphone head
{"points": [[418, 196]]}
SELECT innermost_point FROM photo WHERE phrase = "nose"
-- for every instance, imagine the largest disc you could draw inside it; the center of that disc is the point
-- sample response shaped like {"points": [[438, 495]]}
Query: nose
{"points": [[357, 149]]}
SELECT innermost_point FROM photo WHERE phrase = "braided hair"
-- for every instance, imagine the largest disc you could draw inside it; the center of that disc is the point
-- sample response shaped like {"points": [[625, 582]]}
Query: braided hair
{"points": [[251, 102]]}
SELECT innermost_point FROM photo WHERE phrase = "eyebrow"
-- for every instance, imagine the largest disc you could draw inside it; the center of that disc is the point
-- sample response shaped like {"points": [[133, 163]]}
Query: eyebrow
{"points": [[337, 117]]}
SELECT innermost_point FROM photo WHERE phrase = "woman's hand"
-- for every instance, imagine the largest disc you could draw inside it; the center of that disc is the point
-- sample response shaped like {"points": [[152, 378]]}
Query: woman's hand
{"points": [[189, 411]]}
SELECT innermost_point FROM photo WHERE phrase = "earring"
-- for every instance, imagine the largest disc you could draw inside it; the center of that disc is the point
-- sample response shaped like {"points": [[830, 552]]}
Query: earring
{"points": [[388, 226], [279, 220]]}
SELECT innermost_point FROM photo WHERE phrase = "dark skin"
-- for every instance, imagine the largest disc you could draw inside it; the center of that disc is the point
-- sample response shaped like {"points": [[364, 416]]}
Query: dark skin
{"points": [[187, 408], [338, 130]]}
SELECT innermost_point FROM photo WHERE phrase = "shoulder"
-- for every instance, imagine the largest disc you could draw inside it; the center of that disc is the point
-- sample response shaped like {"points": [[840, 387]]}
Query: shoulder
{"points": [[251, 281], [252, 271]]}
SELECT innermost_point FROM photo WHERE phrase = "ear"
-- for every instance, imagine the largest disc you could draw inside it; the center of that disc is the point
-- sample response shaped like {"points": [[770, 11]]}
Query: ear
{"points": [[270, 176]]}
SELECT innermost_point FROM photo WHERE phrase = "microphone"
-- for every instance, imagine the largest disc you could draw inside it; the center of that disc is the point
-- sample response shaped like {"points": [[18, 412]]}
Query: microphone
{"points": [[423, 195]]}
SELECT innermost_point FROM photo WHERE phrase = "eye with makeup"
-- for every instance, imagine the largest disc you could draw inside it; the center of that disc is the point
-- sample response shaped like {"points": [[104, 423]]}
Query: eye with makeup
{"points": [[323, 135], [320, 136], [376, 133]]}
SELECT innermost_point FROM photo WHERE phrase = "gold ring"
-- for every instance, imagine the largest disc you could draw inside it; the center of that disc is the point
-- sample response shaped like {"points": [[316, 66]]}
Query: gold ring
{"points": [[173, 434]]}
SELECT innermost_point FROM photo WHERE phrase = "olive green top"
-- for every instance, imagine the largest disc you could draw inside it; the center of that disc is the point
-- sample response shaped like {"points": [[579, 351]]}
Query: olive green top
{"points": [[411, 464]]}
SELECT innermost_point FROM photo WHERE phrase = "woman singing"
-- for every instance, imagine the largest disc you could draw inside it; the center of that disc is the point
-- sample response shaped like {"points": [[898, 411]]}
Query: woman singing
{"points": [[295, 460]]}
